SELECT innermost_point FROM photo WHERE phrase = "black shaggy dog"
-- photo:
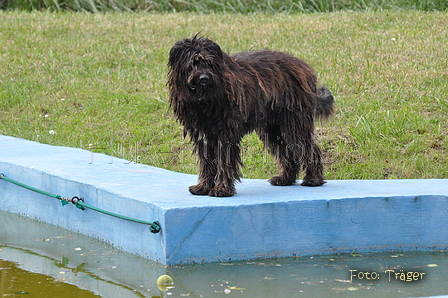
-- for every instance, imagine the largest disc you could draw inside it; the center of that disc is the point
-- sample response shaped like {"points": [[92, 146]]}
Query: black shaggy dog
{"points": [[219, 98]]}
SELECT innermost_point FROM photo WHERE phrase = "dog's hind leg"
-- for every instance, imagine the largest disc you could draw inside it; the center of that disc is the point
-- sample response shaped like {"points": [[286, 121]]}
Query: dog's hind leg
{"points": [[314, 167], [287, 175], [285, 155]]}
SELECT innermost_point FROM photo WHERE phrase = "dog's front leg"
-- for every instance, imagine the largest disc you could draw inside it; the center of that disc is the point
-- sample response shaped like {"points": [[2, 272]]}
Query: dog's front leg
{"points": [[207, 169], [228, 161]]}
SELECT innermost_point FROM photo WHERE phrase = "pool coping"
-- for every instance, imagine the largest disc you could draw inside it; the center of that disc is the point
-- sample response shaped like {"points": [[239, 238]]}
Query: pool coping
{"points": [[260, 221]]}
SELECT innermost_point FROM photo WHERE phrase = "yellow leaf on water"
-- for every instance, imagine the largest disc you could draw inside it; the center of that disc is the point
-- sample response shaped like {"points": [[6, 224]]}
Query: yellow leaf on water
{"points": [[237, 288]]}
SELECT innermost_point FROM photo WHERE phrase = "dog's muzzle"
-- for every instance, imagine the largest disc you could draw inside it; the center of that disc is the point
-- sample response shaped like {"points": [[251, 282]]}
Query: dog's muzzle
{"points": [[204, 79], [201, 80]]}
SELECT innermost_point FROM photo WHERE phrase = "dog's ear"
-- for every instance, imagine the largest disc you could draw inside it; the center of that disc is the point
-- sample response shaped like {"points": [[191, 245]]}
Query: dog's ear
{"points": [[216, 49], [207, 44], [176, 53]]}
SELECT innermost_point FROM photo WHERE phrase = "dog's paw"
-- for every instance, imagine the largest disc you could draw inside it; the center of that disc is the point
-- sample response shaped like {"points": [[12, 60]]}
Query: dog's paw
{"points": [[281, 181], [221, 192], [199, 190], [311, 182]]}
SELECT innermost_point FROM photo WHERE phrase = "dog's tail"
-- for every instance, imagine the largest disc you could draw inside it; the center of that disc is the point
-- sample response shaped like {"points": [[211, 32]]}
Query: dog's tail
{"points": [[325, 103]]}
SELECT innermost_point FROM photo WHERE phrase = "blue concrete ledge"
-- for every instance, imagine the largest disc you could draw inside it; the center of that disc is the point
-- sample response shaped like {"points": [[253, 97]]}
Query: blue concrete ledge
{"points": [[261, 221]]}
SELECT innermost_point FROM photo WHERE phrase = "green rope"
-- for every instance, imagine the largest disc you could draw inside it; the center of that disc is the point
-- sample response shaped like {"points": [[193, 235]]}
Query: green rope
{"points": [[154, 227], [2, 176]]}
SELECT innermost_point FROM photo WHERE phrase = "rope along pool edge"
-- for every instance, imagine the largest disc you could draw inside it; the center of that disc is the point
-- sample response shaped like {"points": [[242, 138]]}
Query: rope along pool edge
{"points": [[154, 227]]}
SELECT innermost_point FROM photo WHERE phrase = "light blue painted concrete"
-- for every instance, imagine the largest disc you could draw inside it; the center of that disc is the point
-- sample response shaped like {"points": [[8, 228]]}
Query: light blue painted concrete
{"points": [[261, 221]]}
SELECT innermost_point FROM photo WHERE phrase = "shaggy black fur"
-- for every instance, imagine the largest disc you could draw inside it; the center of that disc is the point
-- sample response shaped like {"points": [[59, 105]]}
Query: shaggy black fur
{"points": [[220, 98]]}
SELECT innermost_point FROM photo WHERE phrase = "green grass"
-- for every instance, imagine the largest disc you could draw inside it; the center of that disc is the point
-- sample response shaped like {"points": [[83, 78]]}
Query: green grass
{"points": [[233, 6], [98, 81]]}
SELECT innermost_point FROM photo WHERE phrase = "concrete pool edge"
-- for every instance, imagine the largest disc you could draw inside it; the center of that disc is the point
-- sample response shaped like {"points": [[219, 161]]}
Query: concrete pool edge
{"points": [[261, 221]]}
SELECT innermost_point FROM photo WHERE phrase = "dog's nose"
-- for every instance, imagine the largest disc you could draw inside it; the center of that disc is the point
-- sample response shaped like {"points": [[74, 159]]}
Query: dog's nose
{"points": [[203, 79]]}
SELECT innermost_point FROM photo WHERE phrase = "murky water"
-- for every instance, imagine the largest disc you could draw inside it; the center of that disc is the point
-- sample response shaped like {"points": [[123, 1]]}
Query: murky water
{"points": [[40, 260]]}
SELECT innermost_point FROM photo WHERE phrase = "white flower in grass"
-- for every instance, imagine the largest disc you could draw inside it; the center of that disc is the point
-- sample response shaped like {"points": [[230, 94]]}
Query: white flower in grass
{"points": [[51, 132]]}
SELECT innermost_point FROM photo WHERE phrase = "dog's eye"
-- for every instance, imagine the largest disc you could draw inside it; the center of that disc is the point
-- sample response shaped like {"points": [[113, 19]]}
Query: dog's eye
{"points": [[196, 61], [198, 57]]}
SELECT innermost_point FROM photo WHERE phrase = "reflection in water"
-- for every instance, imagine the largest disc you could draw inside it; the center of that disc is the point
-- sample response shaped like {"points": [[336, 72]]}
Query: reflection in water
{"points": [[40, 260], [15, 281]]}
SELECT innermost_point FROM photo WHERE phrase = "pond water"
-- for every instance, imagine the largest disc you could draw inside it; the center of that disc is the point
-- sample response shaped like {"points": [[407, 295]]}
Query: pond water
{"points": [[41, 260]]}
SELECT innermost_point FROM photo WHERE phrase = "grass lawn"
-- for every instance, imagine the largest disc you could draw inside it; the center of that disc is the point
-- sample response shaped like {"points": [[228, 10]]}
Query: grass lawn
{"points": [[98, 81]]}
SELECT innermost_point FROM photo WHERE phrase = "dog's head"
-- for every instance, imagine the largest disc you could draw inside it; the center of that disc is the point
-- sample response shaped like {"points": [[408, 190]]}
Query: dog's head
{"points": [[195, 64]]}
